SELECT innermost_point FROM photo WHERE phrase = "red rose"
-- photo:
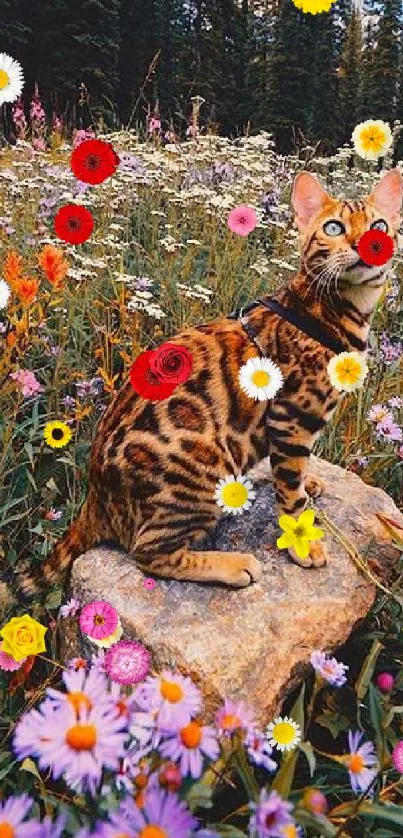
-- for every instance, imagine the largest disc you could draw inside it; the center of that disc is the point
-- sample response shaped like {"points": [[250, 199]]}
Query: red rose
{"points": [[73, 223], [172, 363], [144, 380], [375, 247], [93, 161]]}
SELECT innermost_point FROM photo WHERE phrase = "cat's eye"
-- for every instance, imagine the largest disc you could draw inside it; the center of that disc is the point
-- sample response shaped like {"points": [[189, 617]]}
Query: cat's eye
{"points": [[380, 225], [334, 228]]}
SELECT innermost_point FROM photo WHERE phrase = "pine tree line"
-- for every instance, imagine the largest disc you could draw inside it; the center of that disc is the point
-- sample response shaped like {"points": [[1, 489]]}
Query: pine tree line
{"points": [[258, 66]]}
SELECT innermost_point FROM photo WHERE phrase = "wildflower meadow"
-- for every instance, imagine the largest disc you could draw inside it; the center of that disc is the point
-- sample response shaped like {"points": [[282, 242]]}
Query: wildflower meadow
{"points": [[104, 255]]}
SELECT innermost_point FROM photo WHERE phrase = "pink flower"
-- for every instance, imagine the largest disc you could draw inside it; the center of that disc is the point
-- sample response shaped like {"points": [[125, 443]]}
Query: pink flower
{"points": [[385, 682], [70, 608], [400, 452], [27, 382], [154, 124], [242, 220], [234, 716], [149, 584], [397, 756], [52, 515], [98, 619], [39, 144], [8, 663], [127, 662]]}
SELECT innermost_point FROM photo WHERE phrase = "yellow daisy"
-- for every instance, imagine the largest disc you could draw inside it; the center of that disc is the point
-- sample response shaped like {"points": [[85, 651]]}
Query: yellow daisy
{"points": [[347, 371], [313, 7], [372, 139], [298, 533], [234, 494], [283, 734], [57, 434]]}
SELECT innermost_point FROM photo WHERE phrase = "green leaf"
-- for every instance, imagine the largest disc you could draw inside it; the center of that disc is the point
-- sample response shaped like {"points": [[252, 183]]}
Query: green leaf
{"points": [[227, 830], [7, 768], [393, 711], [29, 765], [245, 772], [283, 780], [320, 823], [335, 723], [376, 716], [307, 749], [199, 796], [373, 810], [298, 712], [367, 670]]}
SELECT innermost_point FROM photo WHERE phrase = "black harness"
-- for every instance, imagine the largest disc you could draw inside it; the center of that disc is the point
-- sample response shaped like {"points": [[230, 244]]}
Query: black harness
{"points": [[305, 322]]}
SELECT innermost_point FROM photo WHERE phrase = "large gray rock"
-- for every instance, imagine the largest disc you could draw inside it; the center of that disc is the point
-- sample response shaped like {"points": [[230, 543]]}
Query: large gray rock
{"points": [[252, 643]]}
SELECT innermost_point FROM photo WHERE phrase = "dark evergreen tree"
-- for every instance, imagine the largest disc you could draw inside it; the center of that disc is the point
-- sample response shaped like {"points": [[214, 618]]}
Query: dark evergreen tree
{"points": [[322, 94], [385, 61], [349, 74]]}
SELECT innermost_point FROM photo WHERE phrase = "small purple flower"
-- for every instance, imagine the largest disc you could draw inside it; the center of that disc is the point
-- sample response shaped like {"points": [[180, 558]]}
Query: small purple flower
{"points": [[395, 401], [329, 668], [387, 429], [98, 661], [68, 401], [13, 811], [53, 829], [87, 389], [234, 716], [174, 696], [259, 751], [269, 815], [391, 351], [360, 763], [70, 609], [379, 413], [189, 746]]}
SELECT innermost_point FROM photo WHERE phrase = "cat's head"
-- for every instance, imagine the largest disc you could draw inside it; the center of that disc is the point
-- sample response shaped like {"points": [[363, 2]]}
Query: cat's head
{"points": [[330, 229]]}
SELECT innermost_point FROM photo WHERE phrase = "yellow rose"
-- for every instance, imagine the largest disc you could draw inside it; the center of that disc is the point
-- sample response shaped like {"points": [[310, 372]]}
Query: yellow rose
{"points": [[23, 636]]}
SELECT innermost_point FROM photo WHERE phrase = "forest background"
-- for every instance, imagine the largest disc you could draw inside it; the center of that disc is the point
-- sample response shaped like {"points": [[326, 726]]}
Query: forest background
{"points": [[258, 65]]}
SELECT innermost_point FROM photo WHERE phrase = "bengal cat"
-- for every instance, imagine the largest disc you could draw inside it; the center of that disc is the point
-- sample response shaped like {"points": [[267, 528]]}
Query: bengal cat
{"points": [[155, 465]]}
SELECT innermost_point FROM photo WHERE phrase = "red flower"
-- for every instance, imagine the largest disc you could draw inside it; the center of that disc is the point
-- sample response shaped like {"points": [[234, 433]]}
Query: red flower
{"points": [[93, 161], [145, 382], [172, 363], [74, 224], [375, 247]]}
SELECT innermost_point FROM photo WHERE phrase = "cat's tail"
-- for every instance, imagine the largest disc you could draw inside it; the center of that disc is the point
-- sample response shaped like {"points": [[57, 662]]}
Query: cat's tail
{"points": [[34, 583]]}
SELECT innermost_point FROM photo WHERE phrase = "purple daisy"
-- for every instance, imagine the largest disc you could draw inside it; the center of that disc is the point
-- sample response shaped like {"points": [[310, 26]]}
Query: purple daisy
{"points": [[13, 811], [144, 730], [127, 662], [53, 829], [70, 609], [234, 716], [164, 811], [360, 763], [76, 745], [269, 815], [118, 826], [329, 668], [173, 696], [259, 751], [189, 746], [82, 690]]}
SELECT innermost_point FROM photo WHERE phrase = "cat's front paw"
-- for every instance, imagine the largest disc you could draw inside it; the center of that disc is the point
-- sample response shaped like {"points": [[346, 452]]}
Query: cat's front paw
{"points": [[318, 555], [314, 486]]}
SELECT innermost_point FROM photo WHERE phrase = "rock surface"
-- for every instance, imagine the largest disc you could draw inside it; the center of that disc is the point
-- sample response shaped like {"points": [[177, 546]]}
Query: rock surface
{"points": [[252, 643]]}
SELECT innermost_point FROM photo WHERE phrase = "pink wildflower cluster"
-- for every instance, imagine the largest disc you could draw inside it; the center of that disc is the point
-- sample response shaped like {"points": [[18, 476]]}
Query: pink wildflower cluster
{"points": [[19, 119], [27, 383], [385, 426], [81, 135], [38, 122]]}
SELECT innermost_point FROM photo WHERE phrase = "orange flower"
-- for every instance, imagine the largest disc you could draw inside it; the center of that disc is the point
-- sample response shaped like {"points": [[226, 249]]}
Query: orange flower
{"points": [[12, 267], [55, 266], [26, 289]]}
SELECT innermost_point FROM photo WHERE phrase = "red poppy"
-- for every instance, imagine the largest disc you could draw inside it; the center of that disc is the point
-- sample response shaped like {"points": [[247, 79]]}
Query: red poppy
{"points": [[172, 363], [375, 247], [145, 382], [73, 223], [93, 161]]}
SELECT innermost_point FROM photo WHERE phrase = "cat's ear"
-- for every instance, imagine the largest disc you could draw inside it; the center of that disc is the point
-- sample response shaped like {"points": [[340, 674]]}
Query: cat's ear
{"points": [[308, 198], [388, 194]]}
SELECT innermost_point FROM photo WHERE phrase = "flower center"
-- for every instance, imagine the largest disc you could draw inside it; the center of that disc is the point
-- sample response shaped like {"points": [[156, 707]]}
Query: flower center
{"points": [[231, 721], [270, 819], [6, 830], [260, 378], [24, 636], [74, 224], [141, 781], [376, 247], [93, 162], [57, 433], [81, 737], [283, 733], [99, 620], [356, 763], [171, 692], [191, 735], [151, 377], [234, 494], [290, 831], [300, 531], [78, 699], [4, 79], [153, 831]]}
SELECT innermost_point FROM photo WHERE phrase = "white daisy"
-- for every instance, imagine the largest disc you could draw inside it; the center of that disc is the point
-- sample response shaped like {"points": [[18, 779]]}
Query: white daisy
{"points": [[234, 494], [5, 292], [11, 78], [260, 378], [283, 734]]}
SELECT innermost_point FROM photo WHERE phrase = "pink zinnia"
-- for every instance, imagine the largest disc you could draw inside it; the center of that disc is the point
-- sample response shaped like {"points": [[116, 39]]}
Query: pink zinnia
{"points": [[27, 382], [149, 584], [127, 662], [242, 220], [98, 619], [8, 663]]}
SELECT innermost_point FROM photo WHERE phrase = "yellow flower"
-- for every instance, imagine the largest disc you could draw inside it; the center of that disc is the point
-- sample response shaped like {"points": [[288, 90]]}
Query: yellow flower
{"points": [[298, 533], [23, 636], [283, 734], [347, 371], [313, 7], [57, 434], [372, 139]]}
